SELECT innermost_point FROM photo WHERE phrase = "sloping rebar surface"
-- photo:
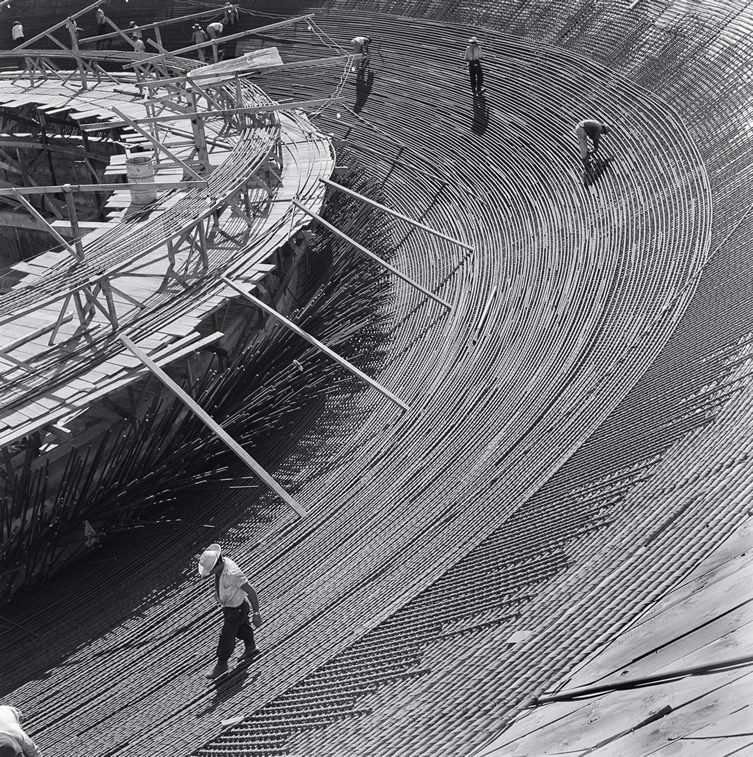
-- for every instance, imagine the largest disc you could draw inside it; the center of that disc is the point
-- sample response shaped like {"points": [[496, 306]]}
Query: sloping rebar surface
{"points": [[532, 490]]}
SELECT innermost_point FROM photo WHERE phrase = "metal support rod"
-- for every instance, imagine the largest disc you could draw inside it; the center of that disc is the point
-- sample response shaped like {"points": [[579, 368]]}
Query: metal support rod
{"points": [[59, 25], [362, 249], [630, 683], [395, 213], [154, 25], [316, 343], [229, 38], [57, 188], [191, 114], [212, 425]]}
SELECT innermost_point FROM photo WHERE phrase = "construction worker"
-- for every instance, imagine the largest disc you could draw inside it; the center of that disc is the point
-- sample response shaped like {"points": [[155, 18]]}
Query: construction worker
{"points": [[361, 47], [138, 45], [101, 19], [474, 56], [585, 130], [198, 36], [14, 741], [234, 594], [17, 33], [215, 29], [230, 18], [134, 30]]}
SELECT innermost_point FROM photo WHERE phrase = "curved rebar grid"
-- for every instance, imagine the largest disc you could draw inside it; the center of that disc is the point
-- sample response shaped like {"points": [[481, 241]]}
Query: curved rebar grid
{"points": [[400, 669]]}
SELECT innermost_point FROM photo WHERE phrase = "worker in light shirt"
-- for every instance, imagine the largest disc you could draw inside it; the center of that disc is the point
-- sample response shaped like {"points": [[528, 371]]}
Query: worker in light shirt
{"points": [[17, 33], [14, 741], [234, 594], [473, 57], [215, 29]]}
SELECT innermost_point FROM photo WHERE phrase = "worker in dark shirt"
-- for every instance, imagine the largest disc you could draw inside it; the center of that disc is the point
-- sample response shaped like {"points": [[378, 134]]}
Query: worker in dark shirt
{"points": [[585, 130]]}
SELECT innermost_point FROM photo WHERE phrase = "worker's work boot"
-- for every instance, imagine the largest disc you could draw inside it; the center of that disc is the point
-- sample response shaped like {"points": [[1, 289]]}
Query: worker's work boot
{"points": [[248, 654], [217, 670]]}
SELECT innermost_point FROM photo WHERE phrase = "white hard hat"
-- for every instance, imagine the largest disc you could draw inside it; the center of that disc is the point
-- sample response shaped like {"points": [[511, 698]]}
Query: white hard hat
{"points": [[209, 558]]}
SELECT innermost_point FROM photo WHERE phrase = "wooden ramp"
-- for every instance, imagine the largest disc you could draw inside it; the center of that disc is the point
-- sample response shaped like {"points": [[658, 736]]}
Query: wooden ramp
{"points": [[53, 367]]}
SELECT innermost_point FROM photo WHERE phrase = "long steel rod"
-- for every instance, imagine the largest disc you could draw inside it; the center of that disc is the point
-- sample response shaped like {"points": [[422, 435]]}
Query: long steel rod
{"points": [[156, 24], [59, 25], [298, 105], [630, 683], [395, 213], [362, 249], [215, 427], [58, 188], [219, 40], [316, 343]]}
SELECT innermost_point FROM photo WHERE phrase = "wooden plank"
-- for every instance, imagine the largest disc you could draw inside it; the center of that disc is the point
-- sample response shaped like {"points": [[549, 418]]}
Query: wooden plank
{"points": [[721, 698], [669, 622], [582, 725]]}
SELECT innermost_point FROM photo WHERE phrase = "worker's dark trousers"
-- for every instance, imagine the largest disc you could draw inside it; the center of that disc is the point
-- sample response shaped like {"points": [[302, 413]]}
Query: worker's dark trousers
{"points": [[236, 626], [477, 75], [9, 747]]}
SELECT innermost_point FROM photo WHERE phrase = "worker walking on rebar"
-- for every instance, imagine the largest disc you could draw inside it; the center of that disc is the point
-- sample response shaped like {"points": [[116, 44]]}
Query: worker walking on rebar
{"points": [[234, 594], [14, 741], [473, 57], [585, 130], [361, 47]]}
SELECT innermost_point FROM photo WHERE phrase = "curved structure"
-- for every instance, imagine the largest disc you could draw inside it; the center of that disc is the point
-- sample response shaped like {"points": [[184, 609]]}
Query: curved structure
{"points": [[578, 423], [229, 163]]}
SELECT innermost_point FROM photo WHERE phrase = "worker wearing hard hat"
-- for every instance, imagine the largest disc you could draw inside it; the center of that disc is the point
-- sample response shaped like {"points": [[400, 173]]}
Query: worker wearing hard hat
{"points": [[14, 741], [233, 593]]}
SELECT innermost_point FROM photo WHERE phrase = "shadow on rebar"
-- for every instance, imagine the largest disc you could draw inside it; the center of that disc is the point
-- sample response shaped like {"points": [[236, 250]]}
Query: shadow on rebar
{"points": [[480, 115], [363, 89]]}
